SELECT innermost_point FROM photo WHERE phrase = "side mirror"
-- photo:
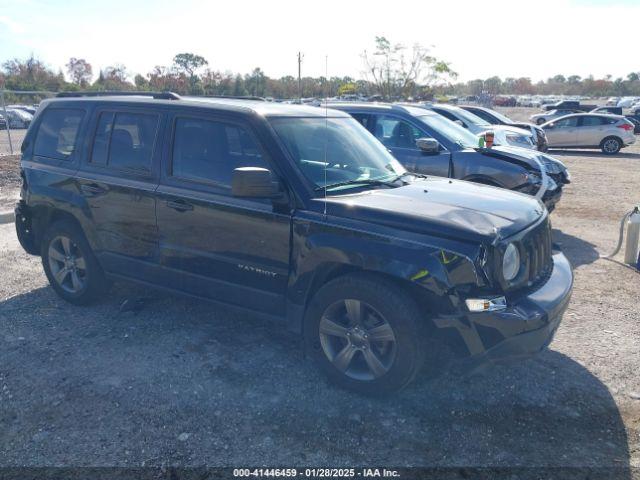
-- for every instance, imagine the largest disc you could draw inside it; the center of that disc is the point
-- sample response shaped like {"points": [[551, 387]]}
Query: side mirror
{"points": [[253, 182], [428, 145]]}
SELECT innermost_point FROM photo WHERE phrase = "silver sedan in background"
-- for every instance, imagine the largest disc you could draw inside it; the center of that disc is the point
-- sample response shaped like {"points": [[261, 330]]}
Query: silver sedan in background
{"points": [[609, 133]]}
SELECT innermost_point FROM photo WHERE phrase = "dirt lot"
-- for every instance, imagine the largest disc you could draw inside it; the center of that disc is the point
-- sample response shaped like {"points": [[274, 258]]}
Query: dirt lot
{"points": [[185, 383]]}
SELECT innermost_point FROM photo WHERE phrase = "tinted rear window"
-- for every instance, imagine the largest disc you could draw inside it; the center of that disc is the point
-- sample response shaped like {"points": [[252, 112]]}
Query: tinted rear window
{"points": [[58, 132], [125, 140]]}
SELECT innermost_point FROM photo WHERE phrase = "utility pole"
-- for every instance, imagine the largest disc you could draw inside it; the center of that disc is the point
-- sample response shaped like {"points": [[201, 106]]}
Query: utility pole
{"points": [[300, 57]]}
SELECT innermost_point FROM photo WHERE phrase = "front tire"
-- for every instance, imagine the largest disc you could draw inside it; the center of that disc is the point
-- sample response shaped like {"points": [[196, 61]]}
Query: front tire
{"points": [[365, 334], [611, 145], [70, 265]]}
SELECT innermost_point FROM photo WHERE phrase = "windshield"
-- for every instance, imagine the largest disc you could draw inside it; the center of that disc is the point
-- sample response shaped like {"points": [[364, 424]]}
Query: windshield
{"points": [[501, 117], [333, 151], [471, 118], [450, 130]]}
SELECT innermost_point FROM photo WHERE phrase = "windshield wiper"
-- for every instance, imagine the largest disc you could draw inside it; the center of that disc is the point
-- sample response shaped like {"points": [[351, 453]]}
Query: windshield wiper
{"points": [[363, 182]]}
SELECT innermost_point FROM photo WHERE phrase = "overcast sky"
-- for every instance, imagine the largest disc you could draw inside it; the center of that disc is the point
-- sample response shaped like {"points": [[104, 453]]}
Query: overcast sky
{"points": [[536, 38]]}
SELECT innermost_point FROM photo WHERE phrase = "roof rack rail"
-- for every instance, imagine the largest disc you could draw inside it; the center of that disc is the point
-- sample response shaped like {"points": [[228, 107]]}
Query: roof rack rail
{"points": [[128, 93], [238, 97]]}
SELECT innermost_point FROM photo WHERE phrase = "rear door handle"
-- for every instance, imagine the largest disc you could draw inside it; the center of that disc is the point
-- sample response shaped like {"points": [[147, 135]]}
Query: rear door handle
{"points": [[179, 205], [91, 189]]}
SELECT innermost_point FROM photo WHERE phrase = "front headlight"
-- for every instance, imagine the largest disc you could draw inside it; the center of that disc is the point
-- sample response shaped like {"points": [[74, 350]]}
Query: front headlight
{"points": [[510, 262], [520, 141]]}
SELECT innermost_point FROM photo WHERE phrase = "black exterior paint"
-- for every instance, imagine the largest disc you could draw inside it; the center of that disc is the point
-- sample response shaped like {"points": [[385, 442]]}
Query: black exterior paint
{"points": [[437, 237]]}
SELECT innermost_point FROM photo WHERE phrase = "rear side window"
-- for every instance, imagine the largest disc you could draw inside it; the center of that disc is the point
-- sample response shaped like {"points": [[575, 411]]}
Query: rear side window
{"points": [[209, 151], [567, 122], [591, 121], [125, 140], [57, 133]]}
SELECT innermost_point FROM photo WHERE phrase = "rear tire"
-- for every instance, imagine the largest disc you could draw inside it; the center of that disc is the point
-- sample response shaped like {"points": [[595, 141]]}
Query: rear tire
{"points": [[70, 265], [364, 332], [611, 145]]}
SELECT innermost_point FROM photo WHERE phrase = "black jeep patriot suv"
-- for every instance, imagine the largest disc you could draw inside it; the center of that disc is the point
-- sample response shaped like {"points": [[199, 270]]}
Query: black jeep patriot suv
{"points": [[294, 212]]}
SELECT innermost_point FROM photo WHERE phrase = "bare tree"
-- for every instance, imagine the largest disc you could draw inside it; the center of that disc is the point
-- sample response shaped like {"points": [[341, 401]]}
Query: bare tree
{"points": [[400, 72]]}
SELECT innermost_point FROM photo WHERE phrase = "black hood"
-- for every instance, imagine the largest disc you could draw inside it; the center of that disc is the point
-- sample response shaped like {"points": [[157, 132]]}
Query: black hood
{"points": [[442, 207]]}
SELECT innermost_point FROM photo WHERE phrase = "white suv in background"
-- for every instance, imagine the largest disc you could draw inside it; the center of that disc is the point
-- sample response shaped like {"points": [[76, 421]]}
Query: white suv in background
{"points": [[609, 133]]}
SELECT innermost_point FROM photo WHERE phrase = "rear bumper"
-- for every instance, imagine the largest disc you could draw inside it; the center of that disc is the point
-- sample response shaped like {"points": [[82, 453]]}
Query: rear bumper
{"points": [[525, 327]]}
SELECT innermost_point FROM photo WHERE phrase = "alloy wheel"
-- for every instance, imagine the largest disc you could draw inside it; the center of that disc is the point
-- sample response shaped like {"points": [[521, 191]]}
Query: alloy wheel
{"points": [[67, 264], [357, 339], [611, 146]]}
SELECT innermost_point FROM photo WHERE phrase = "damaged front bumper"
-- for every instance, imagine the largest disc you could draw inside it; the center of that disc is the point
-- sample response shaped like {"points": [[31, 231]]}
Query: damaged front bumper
{"points": [[526, 326]]}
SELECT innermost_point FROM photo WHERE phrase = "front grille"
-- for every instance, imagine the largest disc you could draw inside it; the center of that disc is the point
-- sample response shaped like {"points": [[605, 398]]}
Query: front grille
{"points": [[538, 246]]}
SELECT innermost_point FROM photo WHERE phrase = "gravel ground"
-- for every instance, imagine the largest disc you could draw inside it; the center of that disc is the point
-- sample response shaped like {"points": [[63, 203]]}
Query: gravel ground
{"points": [[186, 383]]}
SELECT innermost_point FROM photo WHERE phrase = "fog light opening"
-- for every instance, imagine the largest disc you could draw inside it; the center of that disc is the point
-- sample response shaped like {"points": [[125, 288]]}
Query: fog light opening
{"points": [[486, 304]]}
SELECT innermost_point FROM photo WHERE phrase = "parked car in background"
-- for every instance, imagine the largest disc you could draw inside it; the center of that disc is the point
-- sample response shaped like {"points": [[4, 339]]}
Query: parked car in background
{"points": [[609, 133], [496, 118], [428, 143], [540, 118], [18, 119], [504, 135], [505, 101], [569, 105], [627, 102], [608, 109], [613, 101], [297, 214], [3, 123], [29, 109], [635, 119]]}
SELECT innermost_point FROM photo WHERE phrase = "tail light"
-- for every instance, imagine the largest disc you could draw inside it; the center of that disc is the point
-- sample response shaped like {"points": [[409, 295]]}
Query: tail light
{"points": [[625, 126]]}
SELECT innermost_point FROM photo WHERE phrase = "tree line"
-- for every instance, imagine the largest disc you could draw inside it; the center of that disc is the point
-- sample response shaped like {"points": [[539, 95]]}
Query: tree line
{"points": [[391, 71], [556, 85]]}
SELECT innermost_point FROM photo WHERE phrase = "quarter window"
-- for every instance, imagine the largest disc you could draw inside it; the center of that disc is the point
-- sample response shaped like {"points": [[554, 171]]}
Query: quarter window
{"points": [[125, 140], [209, 151], [57, 133]]}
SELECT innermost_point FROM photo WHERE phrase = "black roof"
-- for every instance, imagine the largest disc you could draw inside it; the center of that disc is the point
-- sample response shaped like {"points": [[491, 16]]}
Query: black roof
{"points": [[267, 109]]}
